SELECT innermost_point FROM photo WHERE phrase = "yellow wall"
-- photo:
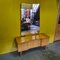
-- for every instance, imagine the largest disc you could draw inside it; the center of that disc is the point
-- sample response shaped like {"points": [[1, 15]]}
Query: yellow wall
{"points": [[10, 21]]}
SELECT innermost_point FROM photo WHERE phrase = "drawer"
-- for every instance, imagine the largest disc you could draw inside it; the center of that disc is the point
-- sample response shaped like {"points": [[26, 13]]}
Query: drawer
{"points": [[22, 47], [31, 44], [36, 43], [44, 42]]}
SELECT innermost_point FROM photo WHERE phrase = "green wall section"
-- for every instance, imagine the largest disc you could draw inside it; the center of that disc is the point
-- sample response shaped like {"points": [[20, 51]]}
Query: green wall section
{"points": [[10, 21]]}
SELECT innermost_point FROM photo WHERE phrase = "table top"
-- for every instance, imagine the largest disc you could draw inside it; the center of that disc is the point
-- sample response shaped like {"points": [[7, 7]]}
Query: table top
{"points": [[41, 37]]}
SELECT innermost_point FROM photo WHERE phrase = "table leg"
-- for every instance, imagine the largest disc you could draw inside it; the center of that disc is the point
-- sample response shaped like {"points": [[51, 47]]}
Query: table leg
{"points": [[21, 53]]}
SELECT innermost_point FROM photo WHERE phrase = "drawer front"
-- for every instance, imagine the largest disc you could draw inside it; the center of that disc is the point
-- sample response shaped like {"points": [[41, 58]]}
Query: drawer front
{"points": [[22, 47], [33, 44], [36, 43], [44, 42]]}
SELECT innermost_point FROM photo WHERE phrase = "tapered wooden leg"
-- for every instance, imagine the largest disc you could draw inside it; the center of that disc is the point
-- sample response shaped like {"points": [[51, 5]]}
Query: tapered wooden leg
{"points": [[21, 53]]}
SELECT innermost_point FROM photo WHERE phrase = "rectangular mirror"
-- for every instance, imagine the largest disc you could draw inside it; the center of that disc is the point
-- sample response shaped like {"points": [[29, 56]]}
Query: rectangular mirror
{"points": [[30, 18]]}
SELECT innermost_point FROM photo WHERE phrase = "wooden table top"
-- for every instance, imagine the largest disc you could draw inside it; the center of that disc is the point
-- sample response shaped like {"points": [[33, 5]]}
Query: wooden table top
{"points": [[41, 36]]}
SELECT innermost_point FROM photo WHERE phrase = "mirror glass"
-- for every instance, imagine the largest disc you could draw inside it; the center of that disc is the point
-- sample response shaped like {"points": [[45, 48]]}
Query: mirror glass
{"points": [[30, 18]]}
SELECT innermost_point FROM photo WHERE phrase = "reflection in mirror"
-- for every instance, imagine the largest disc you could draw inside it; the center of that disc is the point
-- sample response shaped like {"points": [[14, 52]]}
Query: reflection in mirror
{"points": [[30, 18]]}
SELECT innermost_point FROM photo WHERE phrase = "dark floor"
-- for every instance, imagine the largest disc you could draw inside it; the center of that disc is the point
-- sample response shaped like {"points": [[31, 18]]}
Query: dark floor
{"points": [[51, 52]]}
